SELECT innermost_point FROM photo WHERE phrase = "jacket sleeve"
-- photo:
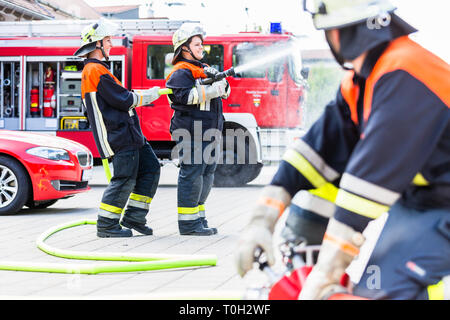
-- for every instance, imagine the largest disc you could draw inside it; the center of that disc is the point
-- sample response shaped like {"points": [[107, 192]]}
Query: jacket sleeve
{"points": [[114, 94], [318, 158], [182, 84], [406, 123]]}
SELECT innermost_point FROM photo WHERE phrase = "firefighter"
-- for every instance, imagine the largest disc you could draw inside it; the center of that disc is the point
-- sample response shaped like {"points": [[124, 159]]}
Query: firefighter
{"points": [[197, 112], [397, 178], [118, 135]]}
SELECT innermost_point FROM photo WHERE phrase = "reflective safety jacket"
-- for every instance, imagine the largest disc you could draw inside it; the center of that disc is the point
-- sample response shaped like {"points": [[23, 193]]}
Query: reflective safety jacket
{"points": [[388, 132], [187, 102], [115, 127]]}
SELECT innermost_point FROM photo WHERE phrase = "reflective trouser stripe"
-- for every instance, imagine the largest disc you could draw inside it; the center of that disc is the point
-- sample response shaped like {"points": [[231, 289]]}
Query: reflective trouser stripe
{"points": [[201, 210], [304, 167], [109, 211], [188, 213], [436, 291], [360, 205], [139, 201], [140, 198], [138, 204]]}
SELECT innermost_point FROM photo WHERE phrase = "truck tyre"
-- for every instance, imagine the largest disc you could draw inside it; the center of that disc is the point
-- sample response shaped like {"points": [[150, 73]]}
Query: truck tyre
{"points": [[235, 175], [14, 186]]}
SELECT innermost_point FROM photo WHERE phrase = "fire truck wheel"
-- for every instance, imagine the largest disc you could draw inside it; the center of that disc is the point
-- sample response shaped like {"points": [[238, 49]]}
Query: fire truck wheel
{"points": [[40, 204], [14, 186], [234, 175]]}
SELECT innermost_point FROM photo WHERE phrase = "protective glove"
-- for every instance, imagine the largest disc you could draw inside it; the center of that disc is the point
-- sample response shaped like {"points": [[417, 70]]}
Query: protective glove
{"points": [[205, 92], [145, 97], [259, 231], [221, 87], [210, 71], [227, 91], [339, 247]]}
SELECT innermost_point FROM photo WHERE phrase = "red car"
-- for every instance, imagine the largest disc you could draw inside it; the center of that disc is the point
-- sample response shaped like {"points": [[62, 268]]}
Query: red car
{"points": [[37, 169]]}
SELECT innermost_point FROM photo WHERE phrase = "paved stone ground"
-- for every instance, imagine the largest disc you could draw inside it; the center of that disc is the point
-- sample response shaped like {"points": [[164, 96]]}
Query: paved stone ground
{"points": [[228, 209]]}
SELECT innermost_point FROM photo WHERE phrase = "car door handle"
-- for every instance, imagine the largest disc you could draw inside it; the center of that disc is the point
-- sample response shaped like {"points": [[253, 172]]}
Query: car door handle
{"points": [[234, 105], [274, 92]]}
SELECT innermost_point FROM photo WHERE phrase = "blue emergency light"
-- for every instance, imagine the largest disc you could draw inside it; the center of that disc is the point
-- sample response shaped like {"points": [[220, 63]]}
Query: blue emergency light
{"points": [[275, 27]]}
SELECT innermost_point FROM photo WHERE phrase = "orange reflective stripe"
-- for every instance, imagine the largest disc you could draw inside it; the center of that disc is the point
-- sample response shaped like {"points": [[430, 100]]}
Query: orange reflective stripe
{"points": [[203, 94], [405, 54], [273, 203], [350, 92], [345, 246]]}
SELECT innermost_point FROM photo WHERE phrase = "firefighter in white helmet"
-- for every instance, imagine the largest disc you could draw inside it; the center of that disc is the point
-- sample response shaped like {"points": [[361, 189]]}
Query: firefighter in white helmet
{"points": [[384, 141], [118, 136], [198, 109]]}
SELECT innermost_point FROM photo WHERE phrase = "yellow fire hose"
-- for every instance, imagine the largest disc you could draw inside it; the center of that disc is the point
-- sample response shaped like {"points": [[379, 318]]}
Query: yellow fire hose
{"points": [[129, 262]]}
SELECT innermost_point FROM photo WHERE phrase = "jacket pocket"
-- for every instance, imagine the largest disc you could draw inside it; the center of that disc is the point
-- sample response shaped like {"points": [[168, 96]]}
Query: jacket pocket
{"points": [[125, 164]]}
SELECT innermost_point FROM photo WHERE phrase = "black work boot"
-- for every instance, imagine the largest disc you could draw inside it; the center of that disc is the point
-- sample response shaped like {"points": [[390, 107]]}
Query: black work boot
{"points": [[193, 228], [141, 228], [205, 225], [110, 228]]}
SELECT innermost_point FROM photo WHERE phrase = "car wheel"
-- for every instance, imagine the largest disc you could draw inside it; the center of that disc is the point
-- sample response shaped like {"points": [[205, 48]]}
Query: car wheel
{"points": [[14, 186], [40, 204]]}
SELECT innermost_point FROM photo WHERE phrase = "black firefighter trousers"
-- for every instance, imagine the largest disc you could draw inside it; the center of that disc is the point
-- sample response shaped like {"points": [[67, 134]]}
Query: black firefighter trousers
{"points": [[135, 179]]}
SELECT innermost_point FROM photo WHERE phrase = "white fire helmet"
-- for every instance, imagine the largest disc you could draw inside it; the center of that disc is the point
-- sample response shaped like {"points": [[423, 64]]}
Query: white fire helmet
{"points": [[331, 14], [93, 33]]}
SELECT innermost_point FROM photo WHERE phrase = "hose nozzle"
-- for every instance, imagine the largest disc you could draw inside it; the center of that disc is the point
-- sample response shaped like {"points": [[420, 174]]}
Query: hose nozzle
{"points": [[219, 76]]}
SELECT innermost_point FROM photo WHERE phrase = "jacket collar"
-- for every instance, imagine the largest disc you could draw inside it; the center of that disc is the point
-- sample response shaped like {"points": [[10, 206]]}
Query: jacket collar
{"points": [[86, 61], [194, 62], [371, 59]]}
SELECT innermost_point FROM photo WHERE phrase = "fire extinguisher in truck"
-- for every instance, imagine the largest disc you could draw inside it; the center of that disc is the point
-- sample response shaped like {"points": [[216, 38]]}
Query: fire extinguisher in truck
{"points": [[49, 93], [34, 102]]}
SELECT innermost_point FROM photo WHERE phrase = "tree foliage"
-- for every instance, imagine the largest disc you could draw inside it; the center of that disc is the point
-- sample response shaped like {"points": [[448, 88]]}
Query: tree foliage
{"points": [[323, 83]]}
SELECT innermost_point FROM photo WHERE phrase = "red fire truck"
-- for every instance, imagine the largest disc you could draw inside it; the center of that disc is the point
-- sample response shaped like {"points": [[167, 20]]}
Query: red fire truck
{"points": [[40, 85]]}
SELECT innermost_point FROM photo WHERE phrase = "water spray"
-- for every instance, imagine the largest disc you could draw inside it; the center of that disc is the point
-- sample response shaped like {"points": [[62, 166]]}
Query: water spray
{"points": [[268, 58], [281, 53]]}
